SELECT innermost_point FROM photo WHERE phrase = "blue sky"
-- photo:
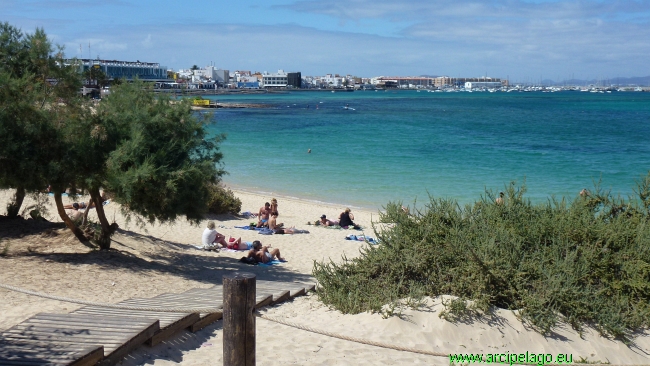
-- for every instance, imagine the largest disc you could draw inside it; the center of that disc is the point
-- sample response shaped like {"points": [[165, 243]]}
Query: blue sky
{"points": [[522, 40]]}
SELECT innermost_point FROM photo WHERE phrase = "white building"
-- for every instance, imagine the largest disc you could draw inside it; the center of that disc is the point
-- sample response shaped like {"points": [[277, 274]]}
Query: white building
{"points": [[211, 73], [278, 79], [482, 84]]}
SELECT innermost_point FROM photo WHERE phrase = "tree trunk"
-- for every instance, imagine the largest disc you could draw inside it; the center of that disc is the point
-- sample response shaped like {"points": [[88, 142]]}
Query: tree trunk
{"points": [[14, 207], [66, 219], [107, 229]]}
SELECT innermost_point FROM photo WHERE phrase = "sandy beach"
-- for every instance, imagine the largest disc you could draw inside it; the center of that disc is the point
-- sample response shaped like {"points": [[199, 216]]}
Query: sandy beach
{"points": [[154, 259]]}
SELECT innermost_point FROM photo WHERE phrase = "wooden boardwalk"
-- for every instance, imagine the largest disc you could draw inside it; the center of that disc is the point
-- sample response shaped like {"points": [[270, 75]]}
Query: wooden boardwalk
{"points": [[95, 335]]}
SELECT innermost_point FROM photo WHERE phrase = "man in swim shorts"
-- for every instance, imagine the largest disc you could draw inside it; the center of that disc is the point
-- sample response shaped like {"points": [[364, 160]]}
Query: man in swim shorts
{"points": [[263, 215], [261, 253]]}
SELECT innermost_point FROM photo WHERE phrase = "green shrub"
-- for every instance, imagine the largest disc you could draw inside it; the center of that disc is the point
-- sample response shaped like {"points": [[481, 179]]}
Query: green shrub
{"points": [[581, 261], [223, 200]]}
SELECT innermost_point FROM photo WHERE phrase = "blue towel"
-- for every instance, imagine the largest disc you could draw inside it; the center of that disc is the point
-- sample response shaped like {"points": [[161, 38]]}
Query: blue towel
{"points": [[265, 231], [243, 227], [362, 238], [271, 263]]}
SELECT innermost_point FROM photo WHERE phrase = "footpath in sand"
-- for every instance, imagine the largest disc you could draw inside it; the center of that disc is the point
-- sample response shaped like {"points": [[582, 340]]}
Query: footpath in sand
{"points": [[159, 259]]}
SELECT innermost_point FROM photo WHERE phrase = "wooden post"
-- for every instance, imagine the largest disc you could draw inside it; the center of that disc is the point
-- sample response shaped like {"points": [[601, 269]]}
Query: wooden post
{"points": [[238, 319]]}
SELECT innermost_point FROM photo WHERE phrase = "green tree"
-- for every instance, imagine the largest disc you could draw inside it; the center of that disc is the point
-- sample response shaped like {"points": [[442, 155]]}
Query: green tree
{"points": [[153, 155], [36, 90], [164, 162]]}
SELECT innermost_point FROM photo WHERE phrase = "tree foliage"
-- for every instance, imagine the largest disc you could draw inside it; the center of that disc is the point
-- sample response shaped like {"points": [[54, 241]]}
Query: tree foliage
{"points": [[152, 154], [37, 92], [165, 166]]}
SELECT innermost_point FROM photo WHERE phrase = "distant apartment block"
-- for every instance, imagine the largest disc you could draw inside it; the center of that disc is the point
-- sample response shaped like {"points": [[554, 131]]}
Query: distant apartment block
{"points": [[211, 73], [482, 84], [403, 81], [445, 81], [281, 79], [124, 69]]}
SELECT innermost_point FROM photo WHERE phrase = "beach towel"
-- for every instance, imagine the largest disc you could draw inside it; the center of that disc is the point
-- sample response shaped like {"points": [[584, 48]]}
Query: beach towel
{"points": [[215, 248], [355, 227], [271, 263], [244, 227], [265, 231], [361, 238]]}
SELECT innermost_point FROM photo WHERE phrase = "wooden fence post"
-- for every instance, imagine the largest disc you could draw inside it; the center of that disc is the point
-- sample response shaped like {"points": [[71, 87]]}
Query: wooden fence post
{"points": [[238, 319]]}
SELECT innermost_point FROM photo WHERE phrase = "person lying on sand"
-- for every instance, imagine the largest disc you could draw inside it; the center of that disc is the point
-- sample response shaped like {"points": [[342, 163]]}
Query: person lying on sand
{"points": [[75, 215], [82, 205], [325, 222], [261, 253], [289, 230]]}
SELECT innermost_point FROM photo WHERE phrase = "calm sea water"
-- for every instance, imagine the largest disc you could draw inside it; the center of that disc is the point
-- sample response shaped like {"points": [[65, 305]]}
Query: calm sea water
{"points": [[405, 145]]}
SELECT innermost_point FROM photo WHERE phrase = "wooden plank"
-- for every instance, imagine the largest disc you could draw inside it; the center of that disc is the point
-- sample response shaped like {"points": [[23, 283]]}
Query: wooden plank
{"points": [[90, 321], [86, 329], [262, 300], [282, 297], [127, 347], [206, 319], [14, 353], [168, 331]]}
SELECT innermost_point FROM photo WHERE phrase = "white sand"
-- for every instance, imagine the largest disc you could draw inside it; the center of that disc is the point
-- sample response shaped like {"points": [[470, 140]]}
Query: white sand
{"points": [[161, 258]]}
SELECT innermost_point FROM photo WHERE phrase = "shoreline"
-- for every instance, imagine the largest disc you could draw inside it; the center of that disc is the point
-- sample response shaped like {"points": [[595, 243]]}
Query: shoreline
{"points": [[262, 192]]}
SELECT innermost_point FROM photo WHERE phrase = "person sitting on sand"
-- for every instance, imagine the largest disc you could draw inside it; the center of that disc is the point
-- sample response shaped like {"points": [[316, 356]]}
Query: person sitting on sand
{"points": [[345, 219], [499, 200], [273, 225], [211, 237], [261, 253], [263, 215], [325, 222], [274, 206]]}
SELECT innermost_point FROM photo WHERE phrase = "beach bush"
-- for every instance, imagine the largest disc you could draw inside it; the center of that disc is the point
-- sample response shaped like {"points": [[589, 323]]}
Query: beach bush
{"points": [[581, 261], [223, 200]]}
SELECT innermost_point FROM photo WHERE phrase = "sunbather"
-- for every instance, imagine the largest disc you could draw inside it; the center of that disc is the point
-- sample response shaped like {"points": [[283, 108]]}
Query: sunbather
{"points": [[75, 215], [345, 219], [274, 205], [262, 254], [211, 237], [82, 205], [263, 215], [325, 222], [273, 222]]}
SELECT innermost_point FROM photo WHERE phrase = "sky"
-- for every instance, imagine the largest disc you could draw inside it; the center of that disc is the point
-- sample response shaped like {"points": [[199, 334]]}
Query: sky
{"points": [[522, 40]]}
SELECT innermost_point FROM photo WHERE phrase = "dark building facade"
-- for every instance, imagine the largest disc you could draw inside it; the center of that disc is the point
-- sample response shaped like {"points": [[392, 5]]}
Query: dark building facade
{"points": [[294, 79]]}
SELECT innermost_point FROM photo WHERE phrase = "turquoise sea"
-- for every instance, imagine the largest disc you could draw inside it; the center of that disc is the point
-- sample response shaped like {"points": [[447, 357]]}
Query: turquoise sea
{"points": [[404, 145]]}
